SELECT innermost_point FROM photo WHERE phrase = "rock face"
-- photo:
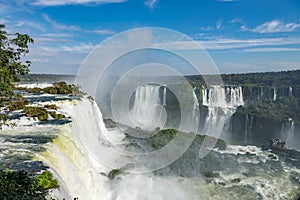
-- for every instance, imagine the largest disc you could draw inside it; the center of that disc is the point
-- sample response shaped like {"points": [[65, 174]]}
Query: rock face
{"points": [[245, 114], [254, 129]]}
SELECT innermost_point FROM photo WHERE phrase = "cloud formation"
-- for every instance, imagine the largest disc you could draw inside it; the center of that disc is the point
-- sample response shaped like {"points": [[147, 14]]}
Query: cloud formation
{"points": [[275, 26], [59, 26], [104, 32], [151, 3], [72, 2]]}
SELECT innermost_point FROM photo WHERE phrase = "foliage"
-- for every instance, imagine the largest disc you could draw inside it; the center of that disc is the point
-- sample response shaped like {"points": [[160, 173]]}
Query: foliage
{"points": [[39, 112], [56, 116], [59, 88], [188, 164], [46, 181], [12, 48], [46, 78], [160, 138], [114, 173], [3, 120], [51, 106], [17, 185], [280, 110], [271, 79], [18, 104]]}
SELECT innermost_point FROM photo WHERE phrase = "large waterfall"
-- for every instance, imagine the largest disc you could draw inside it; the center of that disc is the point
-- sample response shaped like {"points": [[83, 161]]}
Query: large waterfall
{"points": [[147, 111], [84, 153], [221, 103]]}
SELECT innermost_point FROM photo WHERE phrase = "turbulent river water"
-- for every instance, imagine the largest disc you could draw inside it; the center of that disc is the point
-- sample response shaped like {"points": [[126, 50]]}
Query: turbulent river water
{"points": [[81, 151]]}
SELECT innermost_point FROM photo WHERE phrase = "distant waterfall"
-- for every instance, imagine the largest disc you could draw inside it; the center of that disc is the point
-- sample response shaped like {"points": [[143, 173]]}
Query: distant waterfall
{"points": [[195, 109], [274, 94], [222, 103], [147, 108], [248, 128], [290, 91], [287, 132], [165, 96]]}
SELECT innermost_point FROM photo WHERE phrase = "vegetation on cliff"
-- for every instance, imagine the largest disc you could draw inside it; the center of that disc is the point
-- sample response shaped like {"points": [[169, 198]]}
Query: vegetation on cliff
{"points": [[18, 185]]}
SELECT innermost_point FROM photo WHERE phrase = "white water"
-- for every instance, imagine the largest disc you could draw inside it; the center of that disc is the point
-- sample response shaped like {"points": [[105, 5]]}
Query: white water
{"points": [[274, 94], [287, 132], [165, 96], [290, 91], [147, 112], [248, 128], [221, 103], [85, 151]]}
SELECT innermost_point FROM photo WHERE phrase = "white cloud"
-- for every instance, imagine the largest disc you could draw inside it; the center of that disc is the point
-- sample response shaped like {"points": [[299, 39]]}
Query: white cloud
{"points": [[104, 31], [79, 48], [229, 43], [279, 49], [56, 35], [28, 24], [49, 40], [219, 24], [236, 20], [60, 26], [207, 28], [276, 26], [151, 3], [72, 2], [3, 21]]}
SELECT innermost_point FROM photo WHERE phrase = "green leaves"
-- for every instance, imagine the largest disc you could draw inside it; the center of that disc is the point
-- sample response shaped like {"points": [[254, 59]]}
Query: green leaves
{"points": [[17, 185], [12, 48]]}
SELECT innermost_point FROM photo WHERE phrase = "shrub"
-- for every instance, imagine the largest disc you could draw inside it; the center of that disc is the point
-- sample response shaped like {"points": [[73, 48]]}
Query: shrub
{"points": [[39, 112], [46, 181], [59, 88], [18, 104], [17, 185], [56, 116], [51, 106]]}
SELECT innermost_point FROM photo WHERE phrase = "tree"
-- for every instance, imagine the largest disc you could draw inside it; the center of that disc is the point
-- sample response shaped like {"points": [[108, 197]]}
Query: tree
{"points": [[17, 185], [12, 48]]}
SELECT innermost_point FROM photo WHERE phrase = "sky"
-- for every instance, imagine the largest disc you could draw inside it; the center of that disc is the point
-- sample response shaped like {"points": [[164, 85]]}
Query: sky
{"points": [[240, 35]]}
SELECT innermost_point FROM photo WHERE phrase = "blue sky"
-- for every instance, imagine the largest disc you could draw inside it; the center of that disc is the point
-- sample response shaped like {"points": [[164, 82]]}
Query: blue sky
{"points": [[240, 35]]}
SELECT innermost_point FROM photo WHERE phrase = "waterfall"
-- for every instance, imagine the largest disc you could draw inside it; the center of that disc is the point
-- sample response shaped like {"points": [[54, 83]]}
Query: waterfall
{"points": [[85, 151], [205, 96], [74, 154], [248, 128], [261, 93], [287, 132], [147, 109], [221, 104], [290, 91], [195, 116], [274, 94], [165, 96]]}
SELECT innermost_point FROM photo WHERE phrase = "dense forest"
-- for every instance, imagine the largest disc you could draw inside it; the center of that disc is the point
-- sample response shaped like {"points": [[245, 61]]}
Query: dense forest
{"points": [[270, 79]]}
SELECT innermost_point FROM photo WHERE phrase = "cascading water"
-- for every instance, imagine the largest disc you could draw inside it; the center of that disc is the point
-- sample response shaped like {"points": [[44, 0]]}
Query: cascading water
{"points": [[274, 94], [290, 91], [165, 96], [82, 155], [248, 128], [147, 110], [287, 132], [222, 103]]}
